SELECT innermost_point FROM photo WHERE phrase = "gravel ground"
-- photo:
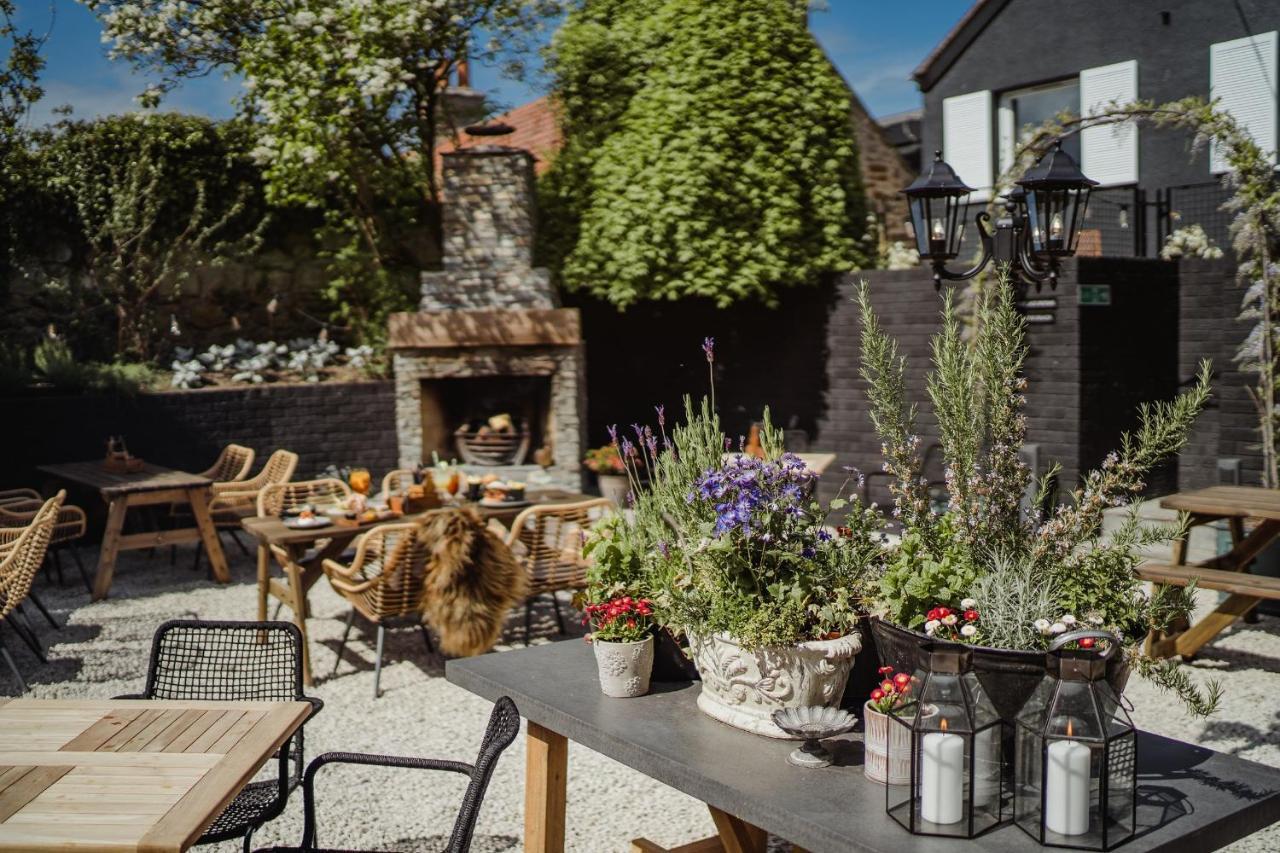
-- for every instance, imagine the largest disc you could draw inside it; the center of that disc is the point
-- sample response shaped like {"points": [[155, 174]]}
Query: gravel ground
{"points": [[102, 652]]}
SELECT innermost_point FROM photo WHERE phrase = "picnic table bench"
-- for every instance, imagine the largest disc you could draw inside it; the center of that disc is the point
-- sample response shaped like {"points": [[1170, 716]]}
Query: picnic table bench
{"points": [[1227, 572]]}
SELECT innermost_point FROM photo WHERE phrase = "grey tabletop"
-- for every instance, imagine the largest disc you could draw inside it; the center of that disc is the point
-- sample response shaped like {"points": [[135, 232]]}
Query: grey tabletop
{"points": [[1190, 798]]}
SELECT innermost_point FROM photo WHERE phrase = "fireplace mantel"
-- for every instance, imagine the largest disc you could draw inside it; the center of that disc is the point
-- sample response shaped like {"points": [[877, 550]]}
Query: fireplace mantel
{"points": [[484, 328]]}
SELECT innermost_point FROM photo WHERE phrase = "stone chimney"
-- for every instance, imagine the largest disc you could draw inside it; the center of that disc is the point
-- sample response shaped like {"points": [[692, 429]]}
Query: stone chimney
{"points": [[489, 226]]}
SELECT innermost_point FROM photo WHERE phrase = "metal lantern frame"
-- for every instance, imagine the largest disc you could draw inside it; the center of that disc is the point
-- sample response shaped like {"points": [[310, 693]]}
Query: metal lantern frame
{"points": [[946, 702], [1051, 198], [1075, 709]]}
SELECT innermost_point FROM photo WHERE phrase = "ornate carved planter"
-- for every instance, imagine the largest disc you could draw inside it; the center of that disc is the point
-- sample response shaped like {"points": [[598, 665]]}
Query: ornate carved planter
{"points": [[743, 688], [624, 667]]}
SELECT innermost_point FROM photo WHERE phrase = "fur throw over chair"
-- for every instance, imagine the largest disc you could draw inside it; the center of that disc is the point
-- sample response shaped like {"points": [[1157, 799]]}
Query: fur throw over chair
{"points": [[472, 581]]}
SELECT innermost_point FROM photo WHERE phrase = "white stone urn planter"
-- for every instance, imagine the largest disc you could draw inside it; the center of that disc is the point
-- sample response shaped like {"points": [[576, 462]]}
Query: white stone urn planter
{"points": [[624, 667], [743, 688]]}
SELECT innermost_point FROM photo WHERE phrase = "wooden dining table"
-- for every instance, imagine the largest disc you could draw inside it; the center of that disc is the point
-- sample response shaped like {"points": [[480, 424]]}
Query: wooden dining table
{"points": [[117, 775], [153, 485], [307, 549]]}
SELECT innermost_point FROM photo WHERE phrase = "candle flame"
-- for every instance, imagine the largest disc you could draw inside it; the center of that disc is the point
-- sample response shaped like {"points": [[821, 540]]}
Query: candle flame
{"points": [[944, 725], [1068, 728], [1055, 227], [939, 232]]}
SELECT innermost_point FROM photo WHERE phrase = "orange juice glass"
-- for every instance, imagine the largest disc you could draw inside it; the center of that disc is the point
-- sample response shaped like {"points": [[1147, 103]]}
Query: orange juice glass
{"points": [[361, 481]]}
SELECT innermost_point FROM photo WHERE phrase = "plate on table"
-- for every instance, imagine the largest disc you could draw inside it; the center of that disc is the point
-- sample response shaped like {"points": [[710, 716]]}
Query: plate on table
{"points": [[504, 504], [307, 523]]}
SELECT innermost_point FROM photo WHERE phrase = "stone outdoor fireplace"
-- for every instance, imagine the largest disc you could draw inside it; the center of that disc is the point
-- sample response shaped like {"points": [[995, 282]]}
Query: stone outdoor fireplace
{"points": [[490, 371]]}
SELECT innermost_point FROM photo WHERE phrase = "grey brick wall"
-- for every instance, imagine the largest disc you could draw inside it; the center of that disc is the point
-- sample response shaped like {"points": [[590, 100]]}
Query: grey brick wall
{"points": [[340, 424]]}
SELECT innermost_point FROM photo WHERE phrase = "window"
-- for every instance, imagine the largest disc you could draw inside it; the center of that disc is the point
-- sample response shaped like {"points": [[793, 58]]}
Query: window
{"points": [[966, 140], [1021, 110]]}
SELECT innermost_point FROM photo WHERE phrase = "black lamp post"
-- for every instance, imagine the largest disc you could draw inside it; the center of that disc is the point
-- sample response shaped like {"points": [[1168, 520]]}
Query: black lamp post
{"points": [[1041, 223]]}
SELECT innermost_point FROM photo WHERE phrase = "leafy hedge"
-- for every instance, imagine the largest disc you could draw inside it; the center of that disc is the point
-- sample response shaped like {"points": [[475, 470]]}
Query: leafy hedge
{"points": [[709, 152]]}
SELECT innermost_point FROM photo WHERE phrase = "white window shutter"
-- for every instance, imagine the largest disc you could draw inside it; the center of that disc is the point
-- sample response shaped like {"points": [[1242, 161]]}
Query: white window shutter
{"points": [[1242, 75], [966, 140], [1109, 153], [1006, 134]]}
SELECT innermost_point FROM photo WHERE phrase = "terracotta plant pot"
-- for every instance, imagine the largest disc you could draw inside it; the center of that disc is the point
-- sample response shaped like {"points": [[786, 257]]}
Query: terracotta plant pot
{"points": [[1009, 676], [743, 687], [624, 667], [877, 730]]}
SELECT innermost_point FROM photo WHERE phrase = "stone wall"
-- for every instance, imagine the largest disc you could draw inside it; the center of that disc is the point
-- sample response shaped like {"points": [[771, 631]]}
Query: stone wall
{"points": [[884, 173], [325, 424]]}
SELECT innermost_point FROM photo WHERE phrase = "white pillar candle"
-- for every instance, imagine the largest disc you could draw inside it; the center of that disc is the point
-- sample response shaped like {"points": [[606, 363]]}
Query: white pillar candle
{"points": [[942, 777], [1066, 791]]}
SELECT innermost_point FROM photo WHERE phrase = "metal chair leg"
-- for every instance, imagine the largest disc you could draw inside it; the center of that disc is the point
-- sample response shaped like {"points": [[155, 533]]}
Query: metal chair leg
{"points": [[342, 646], [31, 596], [57, 565], [13, 666], [528, 621], [20, 627], [426, 638], [195, 563], [235, 537], [377, 663], [84, 574], [248, 840], [555, 602]]}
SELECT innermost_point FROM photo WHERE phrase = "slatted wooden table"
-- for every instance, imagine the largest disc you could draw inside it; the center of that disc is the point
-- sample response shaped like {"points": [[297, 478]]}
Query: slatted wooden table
{"points": [[151, 486], [128, 775], [1235, 504]]}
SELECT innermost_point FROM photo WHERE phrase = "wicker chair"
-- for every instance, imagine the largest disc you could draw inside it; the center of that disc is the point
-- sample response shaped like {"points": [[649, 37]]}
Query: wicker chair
{"points": [[384, 582], [19, 510], [22, 552], [504, 725], [278, 497], [396, 482], [235, 661], [547, 540], [234, 501]]}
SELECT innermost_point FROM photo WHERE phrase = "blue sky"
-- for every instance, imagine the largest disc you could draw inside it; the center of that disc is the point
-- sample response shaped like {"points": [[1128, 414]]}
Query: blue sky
{"points": [[875, 44]]}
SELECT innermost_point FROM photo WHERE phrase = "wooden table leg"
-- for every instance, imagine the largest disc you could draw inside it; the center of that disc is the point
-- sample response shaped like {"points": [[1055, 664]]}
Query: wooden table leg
{"points": [[110, 547], [1194, 638], [736, 835], [298, 604], [546, 770], [264, 580], [199, 499]]}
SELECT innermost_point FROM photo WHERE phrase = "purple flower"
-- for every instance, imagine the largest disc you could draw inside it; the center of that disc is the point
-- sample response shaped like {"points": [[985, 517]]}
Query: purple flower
{"points": [[709, 347], [664, 550], [613, 434], [662, 415]]}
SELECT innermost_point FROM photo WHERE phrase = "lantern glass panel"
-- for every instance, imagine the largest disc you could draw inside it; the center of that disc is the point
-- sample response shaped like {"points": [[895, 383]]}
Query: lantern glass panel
{"points": [[1055, 216], [1122, 773], [1029, 774], [936, 224]]}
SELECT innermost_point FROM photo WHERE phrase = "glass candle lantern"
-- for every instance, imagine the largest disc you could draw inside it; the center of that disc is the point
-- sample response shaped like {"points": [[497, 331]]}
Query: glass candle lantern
{"points": [[1057, 197], [958, 785], [1076, 751]]}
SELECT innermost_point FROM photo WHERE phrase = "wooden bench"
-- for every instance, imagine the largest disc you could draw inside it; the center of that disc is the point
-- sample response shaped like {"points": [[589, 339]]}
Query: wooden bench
{"points": [[1245, 590]]}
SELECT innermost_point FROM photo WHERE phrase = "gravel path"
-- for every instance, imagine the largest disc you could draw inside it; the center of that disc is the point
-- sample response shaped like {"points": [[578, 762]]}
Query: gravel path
{"points": [[102, 652]]}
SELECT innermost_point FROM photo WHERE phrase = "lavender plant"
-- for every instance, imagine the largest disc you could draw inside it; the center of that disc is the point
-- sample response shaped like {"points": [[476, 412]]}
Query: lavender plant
{"points": [[1022, 569], [731, 543]]}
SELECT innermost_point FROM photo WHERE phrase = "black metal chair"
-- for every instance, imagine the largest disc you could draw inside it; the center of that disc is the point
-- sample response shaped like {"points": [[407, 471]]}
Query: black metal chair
{"points": [[235, 661], [504, 725]]}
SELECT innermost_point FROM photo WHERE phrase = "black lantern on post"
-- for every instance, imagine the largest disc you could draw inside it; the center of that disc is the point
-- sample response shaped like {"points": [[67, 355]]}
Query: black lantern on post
{"points": [[1076, 752], [937, 201], [1057, 196], [958, 786]]}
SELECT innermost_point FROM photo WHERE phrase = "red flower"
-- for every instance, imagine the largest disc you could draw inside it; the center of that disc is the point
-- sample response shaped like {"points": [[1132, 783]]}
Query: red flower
{"points": [[932, 615], [1088, 643], [901, 680], [886, 686], [631, 623], [885, 670], [943, 612], [971, 616], [877, 695]]}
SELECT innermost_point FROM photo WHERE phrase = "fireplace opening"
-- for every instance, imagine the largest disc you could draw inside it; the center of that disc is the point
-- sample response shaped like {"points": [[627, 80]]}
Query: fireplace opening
{"points": [[485, 421]]}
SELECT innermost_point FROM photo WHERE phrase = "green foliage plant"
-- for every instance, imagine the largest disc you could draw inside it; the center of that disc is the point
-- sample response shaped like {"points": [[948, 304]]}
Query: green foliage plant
{"points": [[695, 162], [1033, 573], [771, 575]]}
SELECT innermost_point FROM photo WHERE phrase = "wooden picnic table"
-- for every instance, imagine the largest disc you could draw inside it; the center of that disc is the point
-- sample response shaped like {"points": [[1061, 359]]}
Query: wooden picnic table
{"points": [[148, 487], [1190, 798], [129, 775], [1227, 572], [307, 550]]}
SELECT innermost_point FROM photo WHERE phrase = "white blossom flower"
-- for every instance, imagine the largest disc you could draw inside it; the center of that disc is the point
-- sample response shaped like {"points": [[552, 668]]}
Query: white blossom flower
{"points": [[968, 604], [949, 619], [1068, 620], [968, 630], [1041, 625], [931, 626], [1057, 628]]}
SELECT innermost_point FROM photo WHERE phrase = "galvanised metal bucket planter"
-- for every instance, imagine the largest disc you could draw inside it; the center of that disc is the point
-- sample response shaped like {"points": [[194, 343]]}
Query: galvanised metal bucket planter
{"points": [[1009, 677]]}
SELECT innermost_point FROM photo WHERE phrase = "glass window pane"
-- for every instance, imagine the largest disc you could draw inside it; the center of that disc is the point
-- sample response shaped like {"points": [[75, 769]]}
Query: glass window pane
{"points": [[1031, 107]]}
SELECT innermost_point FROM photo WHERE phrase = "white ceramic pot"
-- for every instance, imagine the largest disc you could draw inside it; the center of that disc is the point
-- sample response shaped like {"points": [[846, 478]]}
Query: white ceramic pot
{"points": [[743, 688], [624, 667], [876, 764], [615, 487]]}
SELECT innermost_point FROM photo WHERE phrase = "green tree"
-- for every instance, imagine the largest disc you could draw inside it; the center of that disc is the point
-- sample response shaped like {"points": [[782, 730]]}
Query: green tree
{"points": [[347, 97], [709, 152]]}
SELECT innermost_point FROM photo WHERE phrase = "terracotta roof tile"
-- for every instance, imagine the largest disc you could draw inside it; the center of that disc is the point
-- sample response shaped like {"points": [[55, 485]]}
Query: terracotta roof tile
{"points": [[536, 131]]}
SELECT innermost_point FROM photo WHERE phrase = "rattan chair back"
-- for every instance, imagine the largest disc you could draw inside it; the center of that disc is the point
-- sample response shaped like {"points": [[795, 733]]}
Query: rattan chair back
{"points": [[386, 578], [278, 497], [24, 555], [70, 524], [232, 466], [547, 539]]}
